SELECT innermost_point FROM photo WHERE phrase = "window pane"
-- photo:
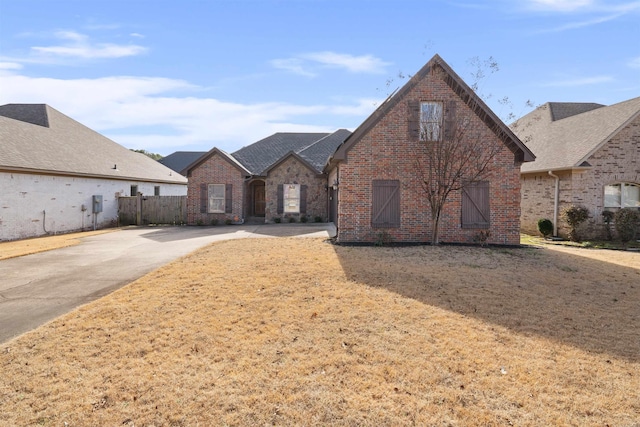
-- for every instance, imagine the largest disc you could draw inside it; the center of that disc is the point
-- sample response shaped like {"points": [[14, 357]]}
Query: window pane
{"points": [[430, 121], [292, 198], [612, 196], [630, 196], [216, 198], [217, 190], [216, 205]]}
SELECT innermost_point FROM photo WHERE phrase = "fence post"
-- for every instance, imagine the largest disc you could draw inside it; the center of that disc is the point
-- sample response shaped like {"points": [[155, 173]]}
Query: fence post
{"points": [[139, 209]]}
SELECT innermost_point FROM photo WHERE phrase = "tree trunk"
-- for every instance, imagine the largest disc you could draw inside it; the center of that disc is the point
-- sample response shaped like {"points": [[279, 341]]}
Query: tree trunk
{"points": [[435, 220]]}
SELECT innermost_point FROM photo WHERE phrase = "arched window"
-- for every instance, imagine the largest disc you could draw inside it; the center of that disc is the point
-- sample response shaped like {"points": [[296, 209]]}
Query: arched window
{"points": [[623, 195]]}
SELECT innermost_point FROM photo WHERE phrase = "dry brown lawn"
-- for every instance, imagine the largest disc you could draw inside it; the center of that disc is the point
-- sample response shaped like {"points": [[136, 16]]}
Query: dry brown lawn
{"points": [[300, 332]]}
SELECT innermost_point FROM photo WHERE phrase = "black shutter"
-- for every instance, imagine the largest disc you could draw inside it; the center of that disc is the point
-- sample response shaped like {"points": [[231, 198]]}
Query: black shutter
{"points": [[204, 198], [385, 203], [280, 208], [475, 205], [450, 121], [414, 120], [303, 199], [228, 198]]}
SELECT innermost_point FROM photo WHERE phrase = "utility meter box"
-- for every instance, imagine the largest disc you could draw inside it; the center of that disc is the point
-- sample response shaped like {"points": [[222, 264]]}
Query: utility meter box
{"points": [[97, 204]]}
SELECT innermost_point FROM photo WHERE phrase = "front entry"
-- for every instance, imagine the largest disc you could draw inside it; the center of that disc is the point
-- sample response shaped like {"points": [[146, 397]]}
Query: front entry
{"points": [[258, 198]]}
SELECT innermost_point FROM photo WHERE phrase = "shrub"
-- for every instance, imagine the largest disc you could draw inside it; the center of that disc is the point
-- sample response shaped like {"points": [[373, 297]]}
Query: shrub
{"points": [[318, 219], [574, 216], [214, 221], [482, 237], [627, 221], [292, 219], [545, 226], [304, 218], [228, 221], [383, 238], [199, 222], [277, 220]]}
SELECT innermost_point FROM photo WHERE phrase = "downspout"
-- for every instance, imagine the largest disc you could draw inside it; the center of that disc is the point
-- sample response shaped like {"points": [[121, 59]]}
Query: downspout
{"points": [[555, 203]]}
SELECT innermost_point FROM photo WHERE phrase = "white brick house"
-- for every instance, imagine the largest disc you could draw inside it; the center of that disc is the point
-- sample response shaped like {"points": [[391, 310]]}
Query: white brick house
{"points": [[51, 167]]}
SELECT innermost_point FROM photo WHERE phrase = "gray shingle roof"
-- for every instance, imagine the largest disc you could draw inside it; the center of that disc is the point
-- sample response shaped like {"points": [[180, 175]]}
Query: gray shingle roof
{"points": [[568, 142], [38, 138], [179, 160], [562, 110], [259, 156]]}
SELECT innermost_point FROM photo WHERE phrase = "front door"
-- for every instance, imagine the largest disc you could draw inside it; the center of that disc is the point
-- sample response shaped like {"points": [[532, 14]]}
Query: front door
{"points": [[258, 200]]}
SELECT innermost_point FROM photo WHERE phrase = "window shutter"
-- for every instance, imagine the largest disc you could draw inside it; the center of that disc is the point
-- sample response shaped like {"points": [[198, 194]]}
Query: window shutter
{"points": [[414, 120], [450, 121], [303, 199], [280, 208], [204, 198], [385, 203], [475, 205], [228, 198]]}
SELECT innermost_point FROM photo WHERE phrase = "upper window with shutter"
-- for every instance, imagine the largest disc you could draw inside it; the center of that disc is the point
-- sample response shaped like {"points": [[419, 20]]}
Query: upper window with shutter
{"points": [[385, 203], [431, 121], [475, 205]]}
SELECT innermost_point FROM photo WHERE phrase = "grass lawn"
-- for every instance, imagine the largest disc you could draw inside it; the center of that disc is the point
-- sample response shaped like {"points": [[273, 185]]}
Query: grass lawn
{"points": [[300, 332], [40, 244]]}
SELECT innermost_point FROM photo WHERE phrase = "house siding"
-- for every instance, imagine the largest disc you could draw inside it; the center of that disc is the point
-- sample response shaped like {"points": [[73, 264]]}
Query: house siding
{"points": [[214, 170], [33, 205], [618, 160], [386, 152], [292, 171]]}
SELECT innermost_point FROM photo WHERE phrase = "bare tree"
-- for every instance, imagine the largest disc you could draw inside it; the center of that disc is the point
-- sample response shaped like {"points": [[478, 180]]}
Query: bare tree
{"points": [[450, 161]]}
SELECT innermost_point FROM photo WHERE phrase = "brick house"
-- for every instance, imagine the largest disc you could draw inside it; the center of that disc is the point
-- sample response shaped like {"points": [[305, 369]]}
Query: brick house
{"points": [[277, 178], [376, 189], [587, 154]]}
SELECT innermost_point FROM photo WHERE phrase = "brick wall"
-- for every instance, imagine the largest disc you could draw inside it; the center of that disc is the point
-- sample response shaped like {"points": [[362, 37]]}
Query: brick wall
{"points": [[215, 170], [292, 171], [616, 161], [386, 152]]}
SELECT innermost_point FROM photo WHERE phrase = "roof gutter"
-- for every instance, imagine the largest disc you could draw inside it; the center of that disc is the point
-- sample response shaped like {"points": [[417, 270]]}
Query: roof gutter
{"points": [[555, 203]]}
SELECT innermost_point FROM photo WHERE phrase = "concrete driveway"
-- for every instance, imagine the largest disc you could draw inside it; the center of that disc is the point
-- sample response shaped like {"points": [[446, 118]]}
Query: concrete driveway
{"points": [[35, 289]]}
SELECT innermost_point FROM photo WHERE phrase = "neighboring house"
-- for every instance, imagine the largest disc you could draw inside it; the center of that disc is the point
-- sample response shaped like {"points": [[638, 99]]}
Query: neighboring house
{"points": [[587, 154], [179, 160], [378, 189], [277, 178], [57, 176]]}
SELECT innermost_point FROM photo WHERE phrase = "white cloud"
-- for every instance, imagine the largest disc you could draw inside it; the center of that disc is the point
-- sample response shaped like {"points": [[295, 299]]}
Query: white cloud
{"points": [[137, 112], [79, 46], [582, 81], [354, 64], [635, 62], [308, 63], [10, 66], [560, 5]]}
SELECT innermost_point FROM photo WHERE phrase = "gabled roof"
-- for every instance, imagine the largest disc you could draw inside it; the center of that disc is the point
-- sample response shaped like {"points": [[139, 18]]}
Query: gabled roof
{"points": [[229, 158], [315, 148], [179, 160], [466, 94], [295, 156], [568, 142], [36, 138]]}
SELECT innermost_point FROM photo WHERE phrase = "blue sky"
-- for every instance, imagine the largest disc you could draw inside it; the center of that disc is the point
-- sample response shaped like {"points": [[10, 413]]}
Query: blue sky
{"points": [[188, 75]]}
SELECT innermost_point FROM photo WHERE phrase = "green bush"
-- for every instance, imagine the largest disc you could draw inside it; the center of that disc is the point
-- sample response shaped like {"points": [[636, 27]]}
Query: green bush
{"points": [[292, 219], [627, 221], [318, 219], [545, 227], [277, 220], [304, 218], [607, 218], [228, 221], [574, 216], [214, 221]]}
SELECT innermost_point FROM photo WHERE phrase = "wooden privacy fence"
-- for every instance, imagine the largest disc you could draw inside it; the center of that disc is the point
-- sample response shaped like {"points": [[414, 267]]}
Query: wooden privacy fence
{"points": [[144, 210]]}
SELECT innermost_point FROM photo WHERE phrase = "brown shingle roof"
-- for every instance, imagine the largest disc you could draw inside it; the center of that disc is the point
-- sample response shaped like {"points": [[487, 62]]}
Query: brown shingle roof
{"points": [[568, 142], [41, 139]]}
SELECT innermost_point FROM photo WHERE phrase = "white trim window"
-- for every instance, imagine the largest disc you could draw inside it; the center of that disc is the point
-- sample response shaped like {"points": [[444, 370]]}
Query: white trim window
{"points": [[431, 121], [623, 195], [216, 198], [291, 198]]}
